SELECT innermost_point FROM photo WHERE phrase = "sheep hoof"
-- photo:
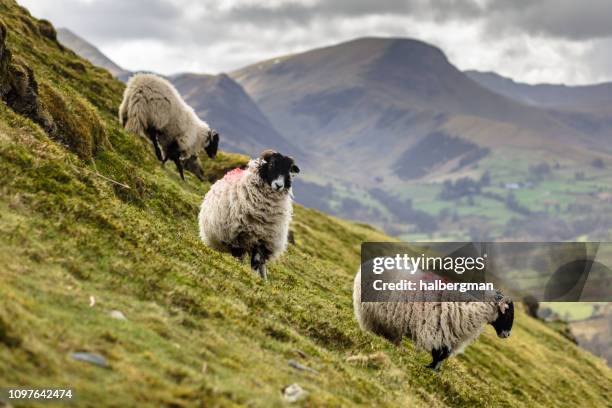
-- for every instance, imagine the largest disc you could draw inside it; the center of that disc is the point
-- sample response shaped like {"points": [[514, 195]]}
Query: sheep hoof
{"points": [[434, 367], [263, 272]]}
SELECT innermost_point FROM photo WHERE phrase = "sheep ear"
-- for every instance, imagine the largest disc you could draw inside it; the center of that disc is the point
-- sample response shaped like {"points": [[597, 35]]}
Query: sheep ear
{"points": [[294, 169], [266, 154]]}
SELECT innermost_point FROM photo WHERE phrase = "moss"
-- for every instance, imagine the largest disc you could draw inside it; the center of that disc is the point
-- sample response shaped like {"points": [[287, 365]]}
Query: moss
{"points": [[78, 124]]}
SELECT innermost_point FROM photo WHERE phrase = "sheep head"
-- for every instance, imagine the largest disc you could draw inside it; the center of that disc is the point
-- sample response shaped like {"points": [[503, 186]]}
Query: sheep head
{"points": [[505, 315], [277, 170], [212, 143]]}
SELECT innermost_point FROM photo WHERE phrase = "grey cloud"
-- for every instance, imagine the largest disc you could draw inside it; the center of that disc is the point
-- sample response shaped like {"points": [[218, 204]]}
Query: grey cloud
{"points": [[568, 19], [495, 34], [111, 19], [304, 13]]}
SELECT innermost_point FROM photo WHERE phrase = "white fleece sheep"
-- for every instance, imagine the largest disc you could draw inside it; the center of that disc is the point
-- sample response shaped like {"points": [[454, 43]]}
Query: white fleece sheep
{"points": [[442, 328], [153, 108], [249, 211]]}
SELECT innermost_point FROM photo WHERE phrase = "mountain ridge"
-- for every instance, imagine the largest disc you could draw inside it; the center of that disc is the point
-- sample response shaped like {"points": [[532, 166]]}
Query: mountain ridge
{"points": [[380, 86], [546, 94], [89, 52], [218, 98]]}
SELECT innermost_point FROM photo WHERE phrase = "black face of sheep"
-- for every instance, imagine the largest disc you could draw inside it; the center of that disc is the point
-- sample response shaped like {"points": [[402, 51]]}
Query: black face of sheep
{"points": [[503, 323], [277, 170], [213, 145]]}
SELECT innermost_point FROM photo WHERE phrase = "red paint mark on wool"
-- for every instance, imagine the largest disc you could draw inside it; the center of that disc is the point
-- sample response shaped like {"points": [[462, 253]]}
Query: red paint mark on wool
{"points": [[234, 175]]}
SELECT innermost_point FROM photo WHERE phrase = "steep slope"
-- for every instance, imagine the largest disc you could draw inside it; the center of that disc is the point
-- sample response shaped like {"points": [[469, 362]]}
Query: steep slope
{"points": [[82, 235], [223, 102], [89, 51]]}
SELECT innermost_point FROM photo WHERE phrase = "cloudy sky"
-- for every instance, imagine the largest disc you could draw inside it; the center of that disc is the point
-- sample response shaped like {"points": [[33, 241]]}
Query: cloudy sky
{"points": [[559, 41]]}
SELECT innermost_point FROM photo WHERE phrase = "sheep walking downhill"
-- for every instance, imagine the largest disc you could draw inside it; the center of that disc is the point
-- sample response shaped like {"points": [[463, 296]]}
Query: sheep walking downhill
{"points": [[249, 211], [153, 108]]}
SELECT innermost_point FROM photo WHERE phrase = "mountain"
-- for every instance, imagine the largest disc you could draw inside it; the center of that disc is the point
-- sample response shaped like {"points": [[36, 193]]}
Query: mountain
{"points": [[372, 101], [228, 108], [580, 98], [400, 137], [89, 52], [91, 224]]}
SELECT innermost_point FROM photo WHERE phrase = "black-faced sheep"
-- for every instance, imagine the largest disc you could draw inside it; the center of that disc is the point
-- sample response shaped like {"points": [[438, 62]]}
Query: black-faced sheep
{"points": [[442, 328], [249, 211], [153, 108]]}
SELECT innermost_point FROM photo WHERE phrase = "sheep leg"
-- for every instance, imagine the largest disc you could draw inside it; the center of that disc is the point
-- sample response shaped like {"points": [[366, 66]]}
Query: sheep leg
{"points": [[179, 167], [191, 164], [158, 151], [152, 136], [259, 257], [174, 153], [238, 253], [438, 355]]}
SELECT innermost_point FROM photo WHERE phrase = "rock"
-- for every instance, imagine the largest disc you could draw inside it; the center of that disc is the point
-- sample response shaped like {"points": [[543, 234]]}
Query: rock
{"points": [[301, 367], [116, 314], [294, 393], [92, 301], [91, 358], [46, 29]]}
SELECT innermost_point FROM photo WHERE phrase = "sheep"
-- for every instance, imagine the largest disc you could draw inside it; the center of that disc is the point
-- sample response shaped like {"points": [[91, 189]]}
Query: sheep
{"points": [[442, 328], [152, 108], [249, 210]]}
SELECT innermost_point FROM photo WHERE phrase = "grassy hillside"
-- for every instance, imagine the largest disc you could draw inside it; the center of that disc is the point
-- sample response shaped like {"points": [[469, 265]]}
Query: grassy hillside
{"points": [[91, 223]]}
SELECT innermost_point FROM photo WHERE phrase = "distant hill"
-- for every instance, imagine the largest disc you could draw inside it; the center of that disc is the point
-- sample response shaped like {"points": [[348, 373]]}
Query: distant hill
{"points": [[586, 108], [221, 101], [371, 101], [585, 97], [89, 52], [401, 138]]}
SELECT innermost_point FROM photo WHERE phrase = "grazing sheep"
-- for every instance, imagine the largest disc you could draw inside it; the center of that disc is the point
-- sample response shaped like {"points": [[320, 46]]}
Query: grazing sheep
{"points": [[153, 108], [249, 211], [442, 328]]}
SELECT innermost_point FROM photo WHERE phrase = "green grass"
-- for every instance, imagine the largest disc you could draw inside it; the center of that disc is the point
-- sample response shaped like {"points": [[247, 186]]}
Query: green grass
{"points": [[572, 311], [202, 329]]}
